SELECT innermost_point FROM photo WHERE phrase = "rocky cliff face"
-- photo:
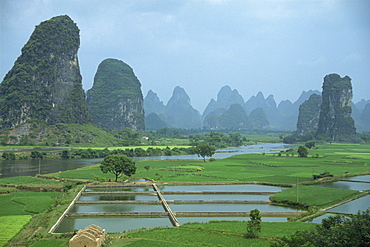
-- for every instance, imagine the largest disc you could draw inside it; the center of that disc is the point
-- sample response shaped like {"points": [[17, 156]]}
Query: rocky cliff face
{"points": [[115, 100], [335, 119], [152, 104], [308, 117], [45, 82]]}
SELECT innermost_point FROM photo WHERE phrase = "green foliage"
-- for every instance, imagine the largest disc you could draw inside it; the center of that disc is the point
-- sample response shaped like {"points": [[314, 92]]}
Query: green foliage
{"points": [[118, 165], [254, 224], [9, 155], [310, 144], [308, 117], [335, 231], [37, 155], [205, 150], [147, 169], [302, 151], [11, 225], [220, 140]]}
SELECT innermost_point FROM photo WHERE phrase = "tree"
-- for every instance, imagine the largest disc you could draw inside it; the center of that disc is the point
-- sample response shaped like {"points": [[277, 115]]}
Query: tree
{"points": [[310, 144], [335, 231], [302, 151], [37, 155], [254, 225], [9, 155], [118, 165], [65, 154], [147, 169], [204, 150]]}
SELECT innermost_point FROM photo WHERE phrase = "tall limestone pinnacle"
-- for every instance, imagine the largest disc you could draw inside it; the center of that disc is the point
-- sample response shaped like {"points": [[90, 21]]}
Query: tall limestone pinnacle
{"points": [[335, 119], [45, 82], [115, 100]]}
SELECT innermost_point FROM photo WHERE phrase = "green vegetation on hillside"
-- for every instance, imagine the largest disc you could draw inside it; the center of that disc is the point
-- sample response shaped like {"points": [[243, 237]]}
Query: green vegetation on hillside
{"points": [[34, 90], [105, 104]]}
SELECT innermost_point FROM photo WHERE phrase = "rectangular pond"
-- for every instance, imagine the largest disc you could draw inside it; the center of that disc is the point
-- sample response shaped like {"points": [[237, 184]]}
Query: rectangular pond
{"points": [[116, 208], [217, 197], [122, 197], [112, 224], [229, 208], [119, 223], [222, 188]]}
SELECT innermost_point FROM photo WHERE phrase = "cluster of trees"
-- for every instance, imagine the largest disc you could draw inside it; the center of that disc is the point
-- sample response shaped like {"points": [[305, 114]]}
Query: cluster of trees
{"points": [[130, 152], [12, 156], [334, 231], [218, 139]]}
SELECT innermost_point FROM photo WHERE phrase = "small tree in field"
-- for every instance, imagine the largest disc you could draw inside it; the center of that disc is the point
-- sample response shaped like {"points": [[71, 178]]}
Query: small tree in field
{"points": [[118, 165], [147, 169], [254, 225], [302, 151], [205, 150]]}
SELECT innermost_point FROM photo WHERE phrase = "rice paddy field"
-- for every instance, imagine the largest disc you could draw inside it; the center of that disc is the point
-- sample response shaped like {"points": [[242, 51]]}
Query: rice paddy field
{"points": [[11, 225]]}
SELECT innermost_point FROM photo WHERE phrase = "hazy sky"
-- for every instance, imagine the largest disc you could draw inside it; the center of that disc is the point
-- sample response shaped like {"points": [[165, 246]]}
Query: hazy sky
{"points": [[277, 47]]}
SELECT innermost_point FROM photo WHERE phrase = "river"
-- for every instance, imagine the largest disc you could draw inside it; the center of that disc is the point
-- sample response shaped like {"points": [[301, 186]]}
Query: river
{"points": [[12, 168]]}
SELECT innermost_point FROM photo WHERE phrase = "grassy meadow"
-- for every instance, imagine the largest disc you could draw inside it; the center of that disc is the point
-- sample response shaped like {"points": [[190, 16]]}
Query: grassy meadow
{"points": [[214, 233]]}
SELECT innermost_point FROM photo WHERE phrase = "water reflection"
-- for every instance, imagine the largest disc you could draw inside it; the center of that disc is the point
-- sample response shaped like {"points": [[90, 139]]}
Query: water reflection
{"points": [[118, 198], [365, 178], [112, 224], [229, 208], [116, 208], [347, 185], [224, 197], [223, 188], [183, 220]]}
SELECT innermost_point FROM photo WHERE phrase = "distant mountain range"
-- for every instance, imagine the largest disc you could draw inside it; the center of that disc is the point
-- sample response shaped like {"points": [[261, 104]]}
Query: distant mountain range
{"points": [[231, 112]]}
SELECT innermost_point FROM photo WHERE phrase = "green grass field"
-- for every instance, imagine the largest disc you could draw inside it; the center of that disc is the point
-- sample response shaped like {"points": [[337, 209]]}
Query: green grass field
{"points": [[26, 203], [216, 233], [26, 180], [339, 160], [11, 225], [313, 196]]}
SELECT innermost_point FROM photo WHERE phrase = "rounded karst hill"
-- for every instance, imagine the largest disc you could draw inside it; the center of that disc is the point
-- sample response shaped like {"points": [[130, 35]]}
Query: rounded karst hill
{"points": [[115, 100]]}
